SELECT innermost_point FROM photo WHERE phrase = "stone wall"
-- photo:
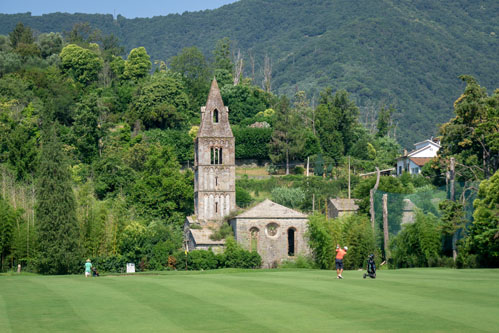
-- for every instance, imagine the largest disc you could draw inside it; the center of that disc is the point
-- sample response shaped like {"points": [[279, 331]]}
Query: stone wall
{"points": [[270, 236]]}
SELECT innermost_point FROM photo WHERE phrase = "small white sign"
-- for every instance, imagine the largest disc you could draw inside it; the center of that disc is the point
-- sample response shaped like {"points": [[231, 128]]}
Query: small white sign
{"points": [[130, 267]]}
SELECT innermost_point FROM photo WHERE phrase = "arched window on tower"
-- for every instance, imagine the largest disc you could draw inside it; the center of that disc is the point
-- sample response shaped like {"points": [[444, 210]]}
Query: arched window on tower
{"points": [[215, 155], [215, 116]]}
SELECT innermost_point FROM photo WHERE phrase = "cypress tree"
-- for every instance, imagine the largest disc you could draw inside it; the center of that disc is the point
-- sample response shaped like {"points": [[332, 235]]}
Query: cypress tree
{"points": [[55, 210]]}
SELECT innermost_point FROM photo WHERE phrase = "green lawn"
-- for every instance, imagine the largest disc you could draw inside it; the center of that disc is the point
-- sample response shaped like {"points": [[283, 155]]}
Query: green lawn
{"points": [[257, 301]]}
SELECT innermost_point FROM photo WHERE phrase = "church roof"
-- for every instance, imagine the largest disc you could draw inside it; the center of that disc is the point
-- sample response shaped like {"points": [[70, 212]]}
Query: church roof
{"points": [[209, 128], [202, 237], [270, 209], [344, 204]]}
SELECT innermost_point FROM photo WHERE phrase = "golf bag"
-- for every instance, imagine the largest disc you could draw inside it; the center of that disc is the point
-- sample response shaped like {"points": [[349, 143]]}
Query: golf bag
{"points": [[95, 272], [371, 267]]}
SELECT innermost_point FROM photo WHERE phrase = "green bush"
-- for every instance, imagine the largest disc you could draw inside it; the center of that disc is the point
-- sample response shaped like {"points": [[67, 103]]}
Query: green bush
{"points": [[418, 244], [196, 260], [323, 236], [252, 143], [289, 197], [235, 256], [299, 262], [359, 237], [298, 170], [223, 232], [243, 198], [111, 264]]}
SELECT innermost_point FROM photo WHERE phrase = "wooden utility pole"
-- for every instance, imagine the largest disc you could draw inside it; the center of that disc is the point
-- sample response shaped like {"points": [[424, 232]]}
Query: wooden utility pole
{"points": [[385, 225], [313, 202], [371, 198], [348, 177]]}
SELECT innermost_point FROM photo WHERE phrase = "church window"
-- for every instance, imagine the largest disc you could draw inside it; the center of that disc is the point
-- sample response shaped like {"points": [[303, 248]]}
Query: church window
{"points": [[216, 155], [216, 181], [215, 116], [271, 229], [254, 239], [291, 242], [216, 207]]}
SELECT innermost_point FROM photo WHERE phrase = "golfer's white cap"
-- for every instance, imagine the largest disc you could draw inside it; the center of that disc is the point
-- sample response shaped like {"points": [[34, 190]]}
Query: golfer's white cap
{"points": [[346, 248]]}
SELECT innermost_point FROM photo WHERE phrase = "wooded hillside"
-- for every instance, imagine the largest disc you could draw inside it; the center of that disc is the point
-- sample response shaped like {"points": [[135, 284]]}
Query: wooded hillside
{"points": [[406, 54]]}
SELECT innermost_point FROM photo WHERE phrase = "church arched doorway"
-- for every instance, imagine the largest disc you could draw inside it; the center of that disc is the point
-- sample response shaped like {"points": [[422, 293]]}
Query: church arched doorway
{"points": [[291, 242]]}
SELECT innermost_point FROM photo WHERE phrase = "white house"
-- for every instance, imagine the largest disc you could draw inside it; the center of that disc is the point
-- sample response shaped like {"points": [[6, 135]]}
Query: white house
{"points": [[413, 161]]}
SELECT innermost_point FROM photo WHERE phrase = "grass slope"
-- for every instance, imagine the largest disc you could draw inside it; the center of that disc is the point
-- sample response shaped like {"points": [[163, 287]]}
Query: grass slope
{"points": [[254, 301]]}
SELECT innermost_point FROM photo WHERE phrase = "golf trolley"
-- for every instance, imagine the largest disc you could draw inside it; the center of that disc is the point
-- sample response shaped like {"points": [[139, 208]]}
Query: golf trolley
{"points": [[371, 267]]}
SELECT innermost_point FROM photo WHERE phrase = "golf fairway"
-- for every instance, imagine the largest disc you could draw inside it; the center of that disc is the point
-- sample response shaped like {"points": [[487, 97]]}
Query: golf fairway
{"points": [[253, 301]]}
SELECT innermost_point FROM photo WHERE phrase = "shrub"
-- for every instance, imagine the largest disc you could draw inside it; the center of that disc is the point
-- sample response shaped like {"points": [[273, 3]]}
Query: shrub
{"points": [[323, 236], [418, 244], [196, 260], [235, 256], [223, 232], [289, 197], [359, 238], [298, 170], [299, 262], [243, 198], [252, 143], [111, 263]]}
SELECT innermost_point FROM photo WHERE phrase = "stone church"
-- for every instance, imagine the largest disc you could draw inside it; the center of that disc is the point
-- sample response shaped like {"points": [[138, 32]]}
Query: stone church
{"points": [[274, 231]]}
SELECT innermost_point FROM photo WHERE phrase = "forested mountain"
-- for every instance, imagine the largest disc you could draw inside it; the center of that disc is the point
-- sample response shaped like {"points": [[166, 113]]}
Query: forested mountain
{"points": [[405, 53]]}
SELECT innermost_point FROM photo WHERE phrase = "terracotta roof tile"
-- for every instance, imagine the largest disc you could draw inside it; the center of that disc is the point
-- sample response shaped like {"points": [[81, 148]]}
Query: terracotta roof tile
{"points": [[420, 161]]}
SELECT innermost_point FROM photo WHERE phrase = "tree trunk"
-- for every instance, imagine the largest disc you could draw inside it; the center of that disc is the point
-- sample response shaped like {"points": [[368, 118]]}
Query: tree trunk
{"points": [[287, 161], [454, 243], [371, 198], [452, 180], [385, 225], [371, 210], [348, 177]]}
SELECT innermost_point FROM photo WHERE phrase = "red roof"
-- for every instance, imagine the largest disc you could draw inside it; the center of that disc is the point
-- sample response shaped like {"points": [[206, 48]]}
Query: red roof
{"points": [[420, 161]]}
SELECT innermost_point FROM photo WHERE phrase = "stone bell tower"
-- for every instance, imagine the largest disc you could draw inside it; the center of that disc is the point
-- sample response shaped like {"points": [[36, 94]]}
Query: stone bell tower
{"points": [[214, 161]]}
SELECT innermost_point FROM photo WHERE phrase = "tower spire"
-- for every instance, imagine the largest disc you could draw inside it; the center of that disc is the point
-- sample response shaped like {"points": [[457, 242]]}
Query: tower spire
{"points": [[215, 115]]}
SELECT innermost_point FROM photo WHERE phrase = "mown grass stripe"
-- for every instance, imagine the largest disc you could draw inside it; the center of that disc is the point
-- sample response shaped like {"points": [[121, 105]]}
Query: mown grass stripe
{"points": [[255, 301], [28, 298], [193, 311], [4, 317]]}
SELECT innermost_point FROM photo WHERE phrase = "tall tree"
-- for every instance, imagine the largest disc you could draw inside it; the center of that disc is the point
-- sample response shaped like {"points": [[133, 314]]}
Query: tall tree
{"points": [[138, 64], [50, 43], [21, 35], [484, 232], [223, 65], [83, 64], [472, 137], [192, 65], [55, 210], [384, 122], [287, 137], [7, 221], [336, 123], [161, 102]]}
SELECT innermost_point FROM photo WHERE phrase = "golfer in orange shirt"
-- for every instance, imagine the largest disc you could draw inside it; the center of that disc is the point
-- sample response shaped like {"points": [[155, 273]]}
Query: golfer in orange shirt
{"points": [[340, 253]]}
